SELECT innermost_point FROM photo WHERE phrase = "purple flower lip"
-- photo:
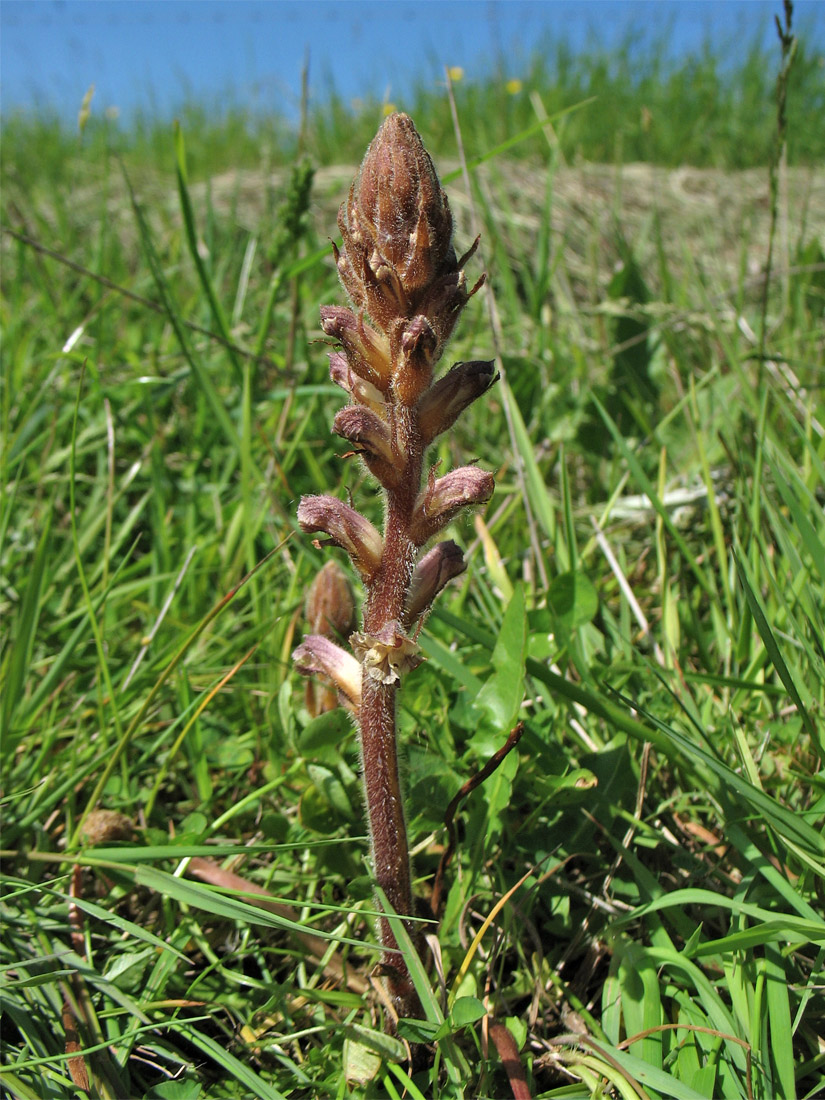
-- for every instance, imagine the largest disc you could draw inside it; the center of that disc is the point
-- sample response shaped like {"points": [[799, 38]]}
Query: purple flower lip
{"points": [[383, 455], [367, 351], [361, 391]]}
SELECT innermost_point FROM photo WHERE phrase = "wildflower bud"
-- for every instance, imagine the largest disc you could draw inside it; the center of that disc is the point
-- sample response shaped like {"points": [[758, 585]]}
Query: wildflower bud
{"points": [[330, 611], [419, 345], [444, 402], [318, 656], [330, 605], [372, 437], [446, 496], [387, 655], [359, 388], [432, 573], [398, 259], [367, 351], [347, 529]]}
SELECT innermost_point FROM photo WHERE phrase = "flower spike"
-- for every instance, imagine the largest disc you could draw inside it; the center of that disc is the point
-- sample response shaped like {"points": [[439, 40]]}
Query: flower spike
{"points": [[407, 288]]}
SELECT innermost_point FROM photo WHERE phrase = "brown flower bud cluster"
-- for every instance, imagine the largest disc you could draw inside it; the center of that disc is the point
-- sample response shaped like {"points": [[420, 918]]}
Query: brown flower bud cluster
{"points": [[407, 287]]}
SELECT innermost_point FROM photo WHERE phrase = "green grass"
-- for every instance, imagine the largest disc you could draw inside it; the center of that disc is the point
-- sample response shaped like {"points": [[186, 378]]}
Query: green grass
{"points": [[637, 890]]}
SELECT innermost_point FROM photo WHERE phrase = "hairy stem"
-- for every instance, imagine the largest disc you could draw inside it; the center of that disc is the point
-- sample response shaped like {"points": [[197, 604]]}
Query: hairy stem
{"points": [[388, 831], [385, 598]]}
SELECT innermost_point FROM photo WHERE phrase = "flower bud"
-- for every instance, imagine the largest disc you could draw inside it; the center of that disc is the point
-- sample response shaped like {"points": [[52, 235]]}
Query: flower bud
{"points": [[367, 351], [347, 529], [446, 496], [432, 573], [318, 656], [330, 611], [398, 259], [443, 403], [330, 604], [372, 437], [396, 225], [359, 388], [387, 655]]}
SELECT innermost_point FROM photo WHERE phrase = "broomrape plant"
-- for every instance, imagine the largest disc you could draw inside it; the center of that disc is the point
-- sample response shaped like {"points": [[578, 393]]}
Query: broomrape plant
{"points": [[399, 268]]}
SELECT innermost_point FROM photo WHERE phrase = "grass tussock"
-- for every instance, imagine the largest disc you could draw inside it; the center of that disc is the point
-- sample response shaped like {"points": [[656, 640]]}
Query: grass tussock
{"points": [[634, 904]]}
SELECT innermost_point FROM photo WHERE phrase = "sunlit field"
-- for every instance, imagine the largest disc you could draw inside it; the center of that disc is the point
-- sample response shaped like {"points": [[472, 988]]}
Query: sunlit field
{"points": [[634, 904]]}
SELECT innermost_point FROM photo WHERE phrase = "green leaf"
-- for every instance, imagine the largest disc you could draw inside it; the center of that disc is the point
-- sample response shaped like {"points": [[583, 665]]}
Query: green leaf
{"points": [[537, 491], [219, 904], [24, 632], [467, 1010], [360, 1063], [502, 694], [779, 1023], [647, 487], [774, 652], [573, 600], [332, 789], [322, 738], [175, 1090], [175, 319], [194, 251], [243, 1073]]}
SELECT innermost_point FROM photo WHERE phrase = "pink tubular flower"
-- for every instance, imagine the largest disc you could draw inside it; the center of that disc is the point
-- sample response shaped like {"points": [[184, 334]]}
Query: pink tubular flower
{"points": [[432, 573], [367, 351], [347, 529], [447, 399], [361, 391], [446, 496], [318, 656], [371, 435]]}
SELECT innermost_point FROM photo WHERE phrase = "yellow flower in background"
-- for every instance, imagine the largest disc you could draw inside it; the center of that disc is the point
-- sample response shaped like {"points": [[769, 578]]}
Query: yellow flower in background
{"points": [[455, 73], [513, 87], [389, 109]]}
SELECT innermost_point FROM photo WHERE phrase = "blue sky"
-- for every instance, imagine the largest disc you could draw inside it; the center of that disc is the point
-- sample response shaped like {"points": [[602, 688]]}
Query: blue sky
{"points": [[153, 54]]}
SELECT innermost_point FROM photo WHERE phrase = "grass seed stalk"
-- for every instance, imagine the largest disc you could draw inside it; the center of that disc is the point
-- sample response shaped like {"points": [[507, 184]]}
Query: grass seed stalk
{"points": [[399, 267]]}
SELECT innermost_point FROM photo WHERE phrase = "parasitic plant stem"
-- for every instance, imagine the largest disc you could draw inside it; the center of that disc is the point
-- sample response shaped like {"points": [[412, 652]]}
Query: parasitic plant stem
{"points": [[407, 289]]}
